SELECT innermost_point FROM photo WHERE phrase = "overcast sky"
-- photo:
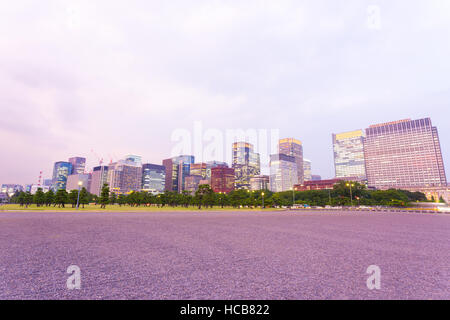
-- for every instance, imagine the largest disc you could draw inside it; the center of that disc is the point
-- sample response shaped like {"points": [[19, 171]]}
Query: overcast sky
{"points": [[118, 77]]}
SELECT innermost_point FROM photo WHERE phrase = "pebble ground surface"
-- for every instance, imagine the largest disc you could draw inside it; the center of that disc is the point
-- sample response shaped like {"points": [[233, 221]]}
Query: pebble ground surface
{"points": [[224, 255]]}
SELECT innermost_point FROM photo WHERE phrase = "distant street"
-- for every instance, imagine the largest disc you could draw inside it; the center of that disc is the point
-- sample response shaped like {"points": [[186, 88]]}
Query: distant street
{"points": [[224, 255]]}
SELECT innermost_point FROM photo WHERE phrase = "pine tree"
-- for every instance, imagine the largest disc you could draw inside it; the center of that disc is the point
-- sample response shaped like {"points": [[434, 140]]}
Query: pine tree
{"points": [[104, 196]]}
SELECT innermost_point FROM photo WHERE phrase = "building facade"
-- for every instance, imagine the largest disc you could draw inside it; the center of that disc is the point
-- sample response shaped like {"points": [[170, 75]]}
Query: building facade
{"points": [[349, 160], [11, 189], [283, 172], [198, 169], [177, 169], [404, 154], [307, 170], [260, 182], [78, 165], [222, 179], [294, 148], [213, 164], [74, 179], [317, 185], [134, 158], [153, 178], [124, 177], [246, 164], [98, 179], [61, 170], [192, 182]]}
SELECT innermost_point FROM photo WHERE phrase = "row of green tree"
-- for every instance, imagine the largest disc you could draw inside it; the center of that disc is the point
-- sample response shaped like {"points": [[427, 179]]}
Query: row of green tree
{"points": [[343, 194]]}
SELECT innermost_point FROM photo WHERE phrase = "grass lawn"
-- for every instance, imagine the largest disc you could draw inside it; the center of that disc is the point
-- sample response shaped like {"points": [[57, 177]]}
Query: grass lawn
{"points": [[112, 208]]}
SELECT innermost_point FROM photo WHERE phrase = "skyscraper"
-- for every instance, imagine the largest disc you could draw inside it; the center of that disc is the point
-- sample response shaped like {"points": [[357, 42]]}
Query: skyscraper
{"points": [[293, 147], [61, 170], [283, 172], [222, 179], [307, 170], [349, 155], [246, 164], [177, 168], [404, 154], [78, 165], [98, 179], [153, 178], [124, 176]]}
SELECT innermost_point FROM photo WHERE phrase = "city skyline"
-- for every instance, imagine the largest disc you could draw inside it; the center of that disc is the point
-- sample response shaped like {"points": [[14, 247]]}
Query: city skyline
{"points": [[348, 152], [74, 74]]}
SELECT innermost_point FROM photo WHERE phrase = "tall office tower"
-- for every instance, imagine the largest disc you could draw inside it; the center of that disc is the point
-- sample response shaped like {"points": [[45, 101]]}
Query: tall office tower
{"points": [[61, 170], [124, 176], [74, 179], [349, 155], [177, 169], [404, 154], [283, 172], [78, 165], [259, 183], [153, 178], [198, 169], [222, 179], [307, 170], [293, 147], [134, 158], [98, 179], [246, 164]]}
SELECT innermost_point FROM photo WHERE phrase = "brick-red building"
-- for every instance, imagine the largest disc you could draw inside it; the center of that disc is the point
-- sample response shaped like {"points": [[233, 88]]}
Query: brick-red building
{"points": [[317, 185], [222, 179]]}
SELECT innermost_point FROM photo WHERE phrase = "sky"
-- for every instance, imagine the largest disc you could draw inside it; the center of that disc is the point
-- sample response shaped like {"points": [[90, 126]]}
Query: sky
{"points": [[103, 79]]}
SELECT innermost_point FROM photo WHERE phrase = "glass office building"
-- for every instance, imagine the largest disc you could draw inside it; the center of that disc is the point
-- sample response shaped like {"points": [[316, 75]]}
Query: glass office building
{"points": [[124, 176], [404, 154], [307, 170], [61, 170], [78, 165], [294, 148], [177, 169], [259, 183], [198, 169], [98, 179], [283, 172], [349, 160], [246, 164], [153, 178]]}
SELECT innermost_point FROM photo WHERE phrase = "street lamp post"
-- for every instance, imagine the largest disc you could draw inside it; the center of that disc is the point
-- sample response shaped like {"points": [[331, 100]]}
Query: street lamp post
{"points": [[262, 194], [351, 196], [80, 183], [293, 197]]}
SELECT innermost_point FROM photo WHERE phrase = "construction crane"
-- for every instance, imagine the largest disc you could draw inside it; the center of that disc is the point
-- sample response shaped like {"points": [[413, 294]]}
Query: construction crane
{"points": [[99, 159], [40, 178]]}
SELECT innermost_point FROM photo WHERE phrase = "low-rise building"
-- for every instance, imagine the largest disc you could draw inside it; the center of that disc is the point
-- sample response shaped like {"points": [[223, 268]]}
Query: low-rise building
{"points": [[317, 185]]}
